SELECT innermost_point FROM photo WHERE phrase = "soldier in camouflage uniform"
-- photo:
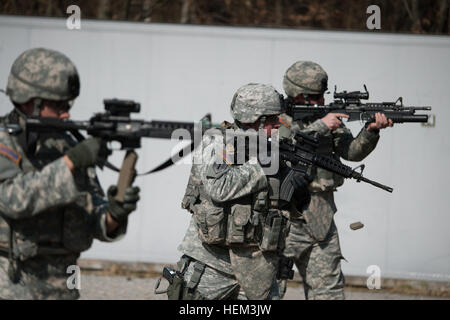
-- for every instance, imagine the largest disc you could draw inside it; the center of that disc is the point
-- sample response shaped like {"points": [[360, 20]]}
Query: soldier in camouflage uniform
{"points": [[233, 244], [313, 240], [51, 204]]}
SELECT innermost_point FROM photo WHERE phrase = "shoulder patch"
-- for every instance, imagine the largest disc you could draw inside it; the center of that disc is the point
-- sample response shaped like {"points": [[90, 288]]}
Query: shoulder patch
{"points": [[10, 154], [285, 121]]}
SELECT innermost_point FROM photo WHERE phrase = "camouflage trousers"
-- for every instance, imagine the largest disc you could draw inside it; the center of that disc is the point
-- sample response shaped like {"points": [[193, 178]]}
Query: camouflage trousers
{"points": [[39, 278], [319, 263], [254, 277]]}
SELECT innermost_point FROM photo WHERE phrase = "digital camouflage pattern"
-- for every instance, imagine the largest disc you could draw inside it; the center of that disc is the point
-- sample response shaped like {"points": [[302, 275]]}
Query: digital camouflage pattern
{"points": [[305, 77], [227, 275], [339, 143], [54, 215], [216, 257], [254, 100], [223, 182], [43, 73], [40, 278], [313, 241], [255, 271], [319, 263], [217, 285]]}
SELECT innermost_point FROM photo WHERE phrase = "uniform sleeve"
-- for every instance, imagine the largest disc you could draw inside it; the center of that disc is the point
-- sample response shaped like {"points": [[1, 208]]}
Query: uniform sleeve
{"points": [[27, 194], [224, 182], [317, 126], [354, 149]]}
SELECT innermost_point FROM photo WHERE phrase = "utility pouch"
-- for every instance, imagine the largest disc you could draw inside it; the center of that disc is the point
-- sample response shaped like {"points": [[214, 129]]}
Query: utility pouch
{"points": [[211, 223], [271, 231], [239, 217], [191, 195]]}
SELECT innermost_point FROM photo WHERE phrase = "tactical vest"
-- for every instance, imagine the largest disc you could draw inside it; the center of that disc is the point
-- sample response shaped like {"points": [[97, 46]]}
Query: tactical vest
{"points": [[64, 230], [259, 219]]}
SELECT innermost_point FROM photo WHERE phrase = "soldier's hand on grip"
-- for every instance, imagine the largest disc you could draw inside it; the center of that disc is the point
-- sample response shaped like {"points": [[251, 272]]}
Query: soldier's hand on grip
{"points": [[85, 153], [301, 181], [119, 210]]}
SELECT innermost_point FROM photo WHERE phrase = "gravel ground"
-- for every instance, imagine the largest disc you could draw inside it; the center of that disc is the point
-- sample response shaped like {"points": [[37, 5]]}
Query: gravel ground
{"points": [[94, 287]]}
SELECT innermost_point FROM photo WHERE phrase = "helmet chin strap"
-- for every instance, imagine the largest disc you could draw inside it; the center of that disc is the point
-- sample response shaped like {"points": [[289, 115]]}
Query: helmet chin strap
{"points": [[37, 104], [305, 96], [262, 122]]}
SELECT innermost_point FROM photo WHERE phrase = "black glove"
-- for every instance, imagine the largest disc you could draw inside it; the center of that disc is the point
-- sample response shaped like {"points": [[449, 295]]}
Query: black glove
{"points": [[285, 266], [85, 153], [301, 181], [119, 210]]}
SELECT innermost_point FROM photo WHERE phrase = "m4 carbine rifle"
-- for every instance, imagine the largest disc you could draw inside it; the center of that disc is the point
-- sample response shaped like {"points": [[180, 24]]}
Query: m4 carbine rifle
{"points": [[115, 124], [299, 153], [350, 103]]}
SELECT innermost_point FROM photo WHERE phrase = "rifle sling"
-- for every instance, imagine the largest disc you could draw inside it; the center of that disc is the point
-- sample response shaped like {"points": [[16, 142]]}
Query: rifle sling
{"points": [[169, 162]]}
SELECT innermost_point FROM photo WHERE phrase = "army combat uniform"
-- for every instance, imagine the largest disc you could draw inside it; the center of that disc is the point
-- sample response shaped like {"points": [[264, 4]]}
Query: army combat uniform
{"points": [[313, 240], [47, 215], [233, 244]]}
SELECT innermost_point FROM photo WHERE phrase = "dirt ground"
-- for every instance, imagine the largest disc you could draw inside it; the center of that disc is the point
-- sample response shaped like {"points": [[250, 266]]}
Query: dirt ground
{"points": [[101, 287]]}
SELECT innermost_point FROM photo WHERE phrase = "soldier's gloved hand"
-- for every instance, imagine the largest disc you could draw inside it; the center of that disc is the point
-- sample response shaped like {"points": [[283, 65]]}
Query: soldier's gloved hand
{"points": [[119, 210], [85, 153], [285, 266], [301, 182], [302, 179]]}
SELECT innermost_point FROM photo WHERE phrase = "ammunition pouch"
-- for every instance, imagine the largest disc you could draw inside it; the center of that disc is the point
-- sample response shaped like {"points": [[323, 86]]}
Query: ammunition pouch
{"points": [[211, 223], [192, 194], [237, 224], [273, 231], [191, 197]]}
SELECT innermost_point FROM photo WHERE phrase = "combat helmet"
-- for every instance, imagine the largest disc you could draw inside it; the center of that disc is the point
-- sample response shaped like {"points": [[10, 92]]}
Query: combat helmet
{"points": [[254, 100], [305, 77], [42, 73]]}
